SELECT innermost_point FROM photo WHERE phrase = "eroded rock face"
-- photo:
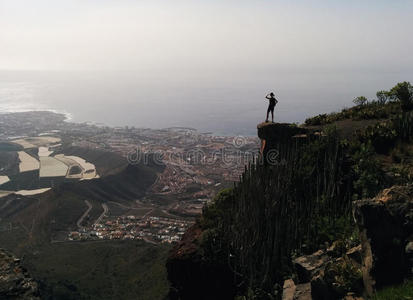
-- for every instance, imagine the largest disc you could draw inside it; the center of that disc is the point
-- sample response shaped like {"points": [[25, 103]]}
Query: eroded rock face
{"points": [[386, 229], [15, 282], [274, 134]]}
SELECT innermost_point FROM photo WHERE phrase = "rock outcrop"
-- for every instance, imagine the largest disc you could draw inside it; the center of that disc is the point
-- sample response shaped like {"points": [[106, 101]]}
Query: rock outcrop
{"points": [[386, 232], [324, 275], [274, 135], [296, 292], [15, 282]]}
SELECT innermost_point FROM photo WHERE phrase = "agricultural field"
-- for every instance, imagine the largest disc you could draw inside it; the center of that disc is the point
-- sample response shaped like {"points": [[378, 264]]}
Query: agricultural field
{"points": [[32, 192], [44, 151], [24, 192], [34, 142], [4, 179], [75, 170], [52, 167], [89, 170], [27, 162]]}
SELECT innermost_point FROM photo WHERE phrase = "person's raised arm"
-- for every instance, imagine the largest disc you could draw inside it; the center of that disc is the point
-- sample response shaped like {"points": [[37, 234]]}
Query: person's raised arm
{"points": [[268, 97]]}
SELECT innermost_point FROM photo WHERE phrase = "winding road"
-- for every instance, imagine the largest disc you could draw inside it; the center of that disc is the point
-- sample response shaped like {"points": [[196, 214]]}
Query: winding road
{"points": [[79, 222], [105, 210]]}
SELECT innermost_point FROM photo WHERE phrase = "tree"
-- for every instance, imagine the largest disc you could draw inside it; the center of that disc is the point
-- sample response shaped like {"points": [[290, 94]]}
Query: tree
{"points": [[360, 100], [383, 96], [403, 92]]}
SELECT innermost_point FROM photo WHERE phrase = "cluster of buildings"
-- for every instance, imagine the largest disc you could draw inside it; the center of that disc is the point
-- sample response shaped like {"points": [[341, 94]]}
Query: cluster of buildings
{"points": [[151, 229], [195, 166]]}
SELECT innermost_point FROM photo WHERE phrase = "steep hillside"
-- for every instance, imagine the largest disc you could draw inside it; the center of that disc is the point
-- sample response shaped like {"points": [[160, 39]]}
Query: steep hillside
{"points": [[99, 270]]}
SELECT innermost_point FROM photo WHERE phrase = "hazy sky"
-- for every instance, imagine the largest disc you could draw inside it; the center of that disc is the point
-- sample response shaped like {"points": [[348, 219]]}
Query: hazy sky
{"points": [[206, 34]]}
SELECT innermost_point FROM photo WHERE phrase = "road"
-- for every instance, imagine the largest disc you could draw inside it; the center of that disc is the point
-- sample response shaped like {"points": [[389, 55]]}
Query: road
{"points": [[79, 222], [105, 210]]}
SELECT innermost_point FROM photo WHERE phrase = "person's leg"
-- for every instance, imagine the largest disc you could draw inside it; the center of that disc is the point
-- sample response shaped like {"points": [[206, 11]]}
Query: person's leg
{"points": [[272, 115], [268, 112]]}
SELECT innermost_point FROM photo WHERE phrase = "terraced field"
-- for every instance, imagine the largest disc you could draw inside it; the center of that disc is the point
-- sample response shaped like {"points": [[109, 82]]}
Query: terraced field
{"points": [[52, 167], [4, 179], [27, 162], [39, 141]]}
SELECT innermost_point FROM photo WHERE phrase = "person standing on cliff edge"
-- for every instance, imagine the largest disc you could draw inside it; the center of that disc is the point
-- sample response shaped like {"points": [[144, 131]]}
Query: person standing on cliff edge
{"points": [[271, 105]]}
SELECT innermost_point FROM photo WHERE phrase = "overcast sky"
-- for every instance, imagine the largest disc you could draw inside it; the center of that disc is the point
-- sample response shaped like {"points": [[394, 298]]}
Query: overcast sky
{"points": [[205, 34]]}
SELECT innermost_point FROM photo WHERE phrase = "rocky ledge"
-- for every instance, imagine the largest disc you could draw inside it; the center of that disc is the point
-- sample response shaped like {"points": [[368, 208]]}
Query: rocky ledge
{"points": [[15, 282]]}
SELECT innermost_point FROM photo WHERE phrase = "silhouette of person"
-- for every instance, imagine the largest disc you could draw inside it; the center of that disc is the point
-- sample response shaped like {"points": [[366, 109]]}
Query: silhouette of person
{"points": [[271, 106]]}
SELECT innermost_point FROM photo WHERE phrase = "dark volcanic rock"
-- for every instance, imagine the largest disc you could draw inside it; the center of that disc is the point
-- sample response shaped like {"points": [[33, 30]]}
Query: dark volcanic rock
{"points": [[328, 276], [279, 131], [15, 282], [308, 266], [192, 276], [274, 135], [386, 228]]}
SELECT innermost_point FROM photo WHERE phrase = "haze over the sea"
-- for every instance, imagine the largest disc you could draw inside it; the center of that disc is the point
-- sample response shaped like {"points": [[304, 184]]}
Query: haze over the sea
{"points": [[203, 64]]}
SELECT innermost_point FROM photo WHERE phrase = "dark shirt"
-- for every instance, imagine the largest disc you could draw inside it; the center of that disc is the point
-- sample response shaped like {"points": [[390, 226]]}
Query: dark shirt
{"points": [[273, 101]]}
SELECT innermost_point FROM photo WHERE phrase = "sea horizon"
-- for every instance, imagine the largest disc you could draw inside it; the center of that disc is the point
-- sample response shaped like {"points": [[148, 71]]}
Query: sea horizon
{"points": [[229, 105]]}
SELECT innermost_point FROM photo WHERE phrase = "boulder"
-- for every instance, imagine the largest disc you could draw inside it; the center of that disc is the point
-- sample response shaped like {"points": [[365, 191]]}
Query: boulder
{"points": [[303, 292], [296, 292], [289, 290], [337, 279], [355, 254], [386, 229], [308, 266]]}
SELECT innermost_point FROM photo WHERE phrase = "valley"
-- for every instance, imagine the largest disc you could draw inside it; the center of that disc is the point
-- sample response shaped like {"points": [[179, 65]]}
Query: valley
{"points": [[68, 191]]}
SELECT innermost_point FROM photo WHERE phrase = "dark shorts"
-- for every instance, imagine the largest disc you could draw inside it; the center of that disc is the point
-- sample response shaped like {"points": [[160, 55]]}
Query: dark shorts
{"points": [[271, 108]]}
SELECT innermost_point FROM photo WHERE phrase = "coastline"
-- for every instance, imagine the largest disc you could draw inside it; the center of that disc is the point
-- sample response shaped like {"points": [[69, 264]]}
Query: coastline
{"points": [[68, 117]]}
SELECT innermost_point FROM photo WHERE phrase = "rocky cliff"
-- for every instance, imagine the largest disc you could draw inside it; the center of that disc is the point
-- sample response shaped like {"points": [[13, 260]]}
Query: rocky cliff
{"points": [[15, 282], [263, 230], [386, 232]]}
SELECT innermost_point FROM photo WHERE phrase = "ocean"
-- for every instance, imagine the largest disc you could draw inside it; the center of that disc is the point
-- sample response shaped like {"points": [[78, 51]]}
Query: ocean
{"points": [[223, 103]]}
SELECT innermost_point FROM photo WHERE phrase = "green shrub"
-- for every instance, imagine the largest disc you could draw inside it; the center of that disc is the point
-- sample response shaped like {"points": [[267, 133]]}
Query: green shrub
{"points": [[360, 100], [383, 97], [403, 92], [368, 172], [382, 136], [344, 276]]}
